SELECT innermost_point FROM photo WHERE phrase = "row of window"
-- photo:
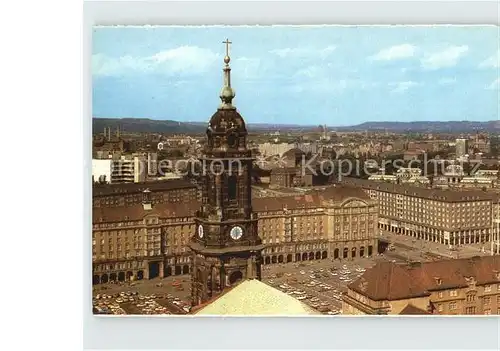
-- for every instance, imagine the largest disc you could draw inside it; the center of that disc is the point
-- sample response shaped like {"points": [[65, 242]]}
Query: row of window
{"points": [[471, 297], [127, 254], [118, 266]]}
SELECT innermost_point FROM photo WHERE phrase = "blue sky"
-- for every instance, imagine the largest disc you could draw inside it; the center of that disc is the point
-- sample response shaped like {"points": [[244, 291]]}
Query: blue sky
{"points": [[304, 75]]}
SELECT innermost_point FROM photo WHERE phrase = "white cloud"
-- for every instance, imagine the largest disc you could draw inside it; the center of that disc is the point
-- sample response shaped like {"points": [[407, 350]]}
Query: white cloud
{"points": [[444, 58], [447, 81], [491, 62], [494, 85], [184, 59], [309, 72], [331, 86], [323, 53], [320, 86], [304, 52], [396, 52], [247, 67], [401, 87], [368, 85]]}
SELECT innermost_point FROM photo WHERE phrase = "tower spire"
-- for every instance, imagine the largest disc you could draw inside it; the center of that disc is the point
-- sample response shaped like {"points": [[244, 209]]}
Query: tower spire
{"points": [[227, 93]]}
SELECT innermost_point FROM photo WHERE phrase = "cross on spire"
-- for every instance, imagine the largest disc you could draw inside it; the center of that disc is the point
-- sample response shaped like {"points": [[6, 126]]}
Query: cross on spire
{"points": [[227, 42], [227, 94]]}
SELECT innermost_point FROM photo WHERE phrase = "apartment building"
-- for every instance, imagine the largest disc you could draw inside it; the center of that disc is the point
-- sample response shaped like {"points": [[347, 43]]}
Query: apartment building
{"points": [[147, 239], [141, 241], [333, 223], [461, 147], [468, 286], [445, 216], [127, 169], [272, 149]]}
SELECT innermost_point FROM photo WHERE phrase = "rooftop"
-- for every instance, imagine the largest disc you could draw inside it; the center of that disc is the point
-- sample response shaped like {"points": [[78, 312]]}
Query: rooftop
{"points": [[313, 199], [412, 310], [137, 212], [433, 194], [127, 188], [391, 281]]}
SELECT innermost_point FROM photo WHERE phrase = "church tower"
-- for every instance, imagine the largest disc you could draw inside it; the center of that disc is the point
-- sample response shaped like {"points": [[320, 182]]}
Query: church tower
{"points": [[226, 247]]}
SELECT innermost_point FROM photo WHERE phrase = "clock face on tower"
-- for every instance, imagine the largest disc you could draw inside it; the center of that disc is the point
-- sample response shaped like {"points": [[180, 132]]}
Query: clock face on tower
{"points": [[236, 233], [200, 231]]}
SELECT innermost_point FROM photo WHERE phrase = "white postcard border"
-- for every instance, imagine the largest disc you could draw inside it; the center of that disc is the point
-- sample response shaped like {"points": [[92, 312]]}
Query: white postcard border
{"points": [[401, 332]]}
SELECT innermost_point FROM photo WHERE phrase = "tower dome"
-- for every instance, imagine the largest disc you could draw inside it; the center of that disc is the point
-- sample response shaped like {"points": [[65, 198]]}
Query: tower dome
{"points": [[226, 129]]}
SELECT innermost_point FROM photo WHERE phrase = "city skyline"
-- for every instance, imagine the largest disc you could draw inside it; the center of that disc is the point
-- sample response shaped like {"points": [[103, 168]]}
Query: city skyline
{"points": [[299, 75]]}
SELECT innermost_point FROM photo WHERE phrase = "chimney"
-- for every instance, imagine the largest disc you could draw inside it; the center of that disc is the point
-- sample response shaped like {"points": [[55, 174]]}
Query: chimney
{"points": [[146, 200]]}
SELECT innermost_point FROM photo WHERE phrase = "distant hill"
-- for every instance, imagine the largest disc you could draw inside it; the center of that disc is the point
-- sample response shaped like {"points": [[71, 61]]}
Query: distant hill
{"points": [[145, 125], [427, 126]]}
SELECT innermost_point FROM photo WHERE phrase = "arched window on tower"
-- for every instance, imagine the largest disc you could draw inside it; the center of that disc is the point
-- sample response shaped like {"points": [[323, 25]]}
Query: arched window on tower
{"points": [[232, 187]]}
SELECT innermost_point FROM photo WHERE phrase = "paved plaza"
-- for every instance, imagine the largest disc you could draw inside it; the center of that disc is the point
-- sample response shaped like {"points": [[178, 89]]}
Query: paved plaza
{"points": [[445, 251], [156, 296], [319, 284]]}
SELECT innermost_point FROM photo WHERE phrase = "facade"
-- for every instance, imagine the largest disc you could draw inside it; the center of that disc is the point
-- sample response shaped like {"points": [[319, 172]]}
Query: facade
{"points": [[461, 147], [141, 241], [444, 216], [129, 170], [290, 177], [334, 223], [225, 246], [449, 287], [481, 143], [119, 170], [178, 140], [406, 174], [272, 149], [476, 183], [383, 178], [166, 191], [425, 145], [309, 147]]}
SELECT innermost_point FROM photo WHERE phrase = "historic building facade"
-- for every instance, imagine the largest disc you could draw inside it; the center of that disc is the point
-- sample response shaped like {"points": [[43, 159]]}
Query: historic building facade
{"points": [[444, 216], [335, 223], [338, 222], [141, 241], [468, 286]]}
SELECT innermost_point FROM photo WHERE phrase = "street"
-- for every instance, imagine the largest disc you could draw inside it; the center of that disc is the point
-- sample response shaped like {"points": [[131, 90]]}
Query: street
{"points": [[442, 250]]}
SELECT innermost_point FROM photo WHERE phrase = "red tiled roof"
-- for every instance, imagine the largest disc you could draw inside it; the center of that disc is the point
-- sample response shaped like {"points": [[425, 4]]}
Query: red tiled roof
{"points": [[137, 212], [410, 190], [313, 199], [391, 281], [127, 188]]}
